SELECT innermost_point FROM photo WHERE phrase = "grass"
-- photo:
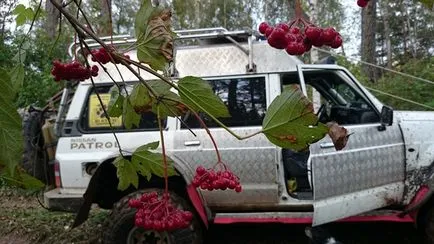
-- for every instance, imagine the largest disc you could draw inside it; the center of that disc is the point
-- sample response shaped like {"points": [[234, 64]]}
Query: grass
{"points": [[24, 220]]}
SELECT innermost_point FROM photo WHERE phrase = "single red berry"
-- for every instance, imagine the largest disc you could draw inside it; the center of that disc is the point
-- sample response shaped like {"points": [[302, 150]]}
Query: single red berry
{"points": [[277, 39], [291, 49], [200, 170], [294, 30], [313, 33], [362, 3], [269, 31], [238, 188], [283, 26], [263, 27], [337, 42], [329, 34]]}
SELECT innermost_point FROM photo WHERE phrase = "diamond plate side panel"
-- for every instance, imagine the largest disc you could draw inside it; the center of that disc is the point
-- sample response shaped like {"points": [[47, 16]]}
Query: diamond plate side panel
{"points": [[371, 159], [223, 60], [253, 160]]}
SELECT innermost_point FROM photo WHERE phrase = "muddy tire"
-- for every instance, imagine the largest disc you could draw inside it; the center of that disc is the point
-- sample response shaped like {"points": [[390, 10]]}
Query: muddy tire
{"points": [[429, 226], [119, 227], [33, 155]]}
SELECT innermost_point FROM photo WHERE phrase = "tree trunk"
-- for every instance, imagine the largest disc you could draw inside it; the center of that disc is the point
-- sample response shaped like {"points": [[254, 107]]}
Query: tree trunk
{"points": [[52, 19], [105, 28], [387, 34], [368, 44]]}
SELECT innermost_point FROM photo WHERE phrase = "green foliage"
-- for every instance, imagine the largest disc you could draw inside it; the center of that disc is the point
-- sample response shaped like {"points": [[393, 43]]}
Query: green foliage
{"points": [[428, 3], [291, 123], [154, 36], [140, 95], [17, 76], [399, 85], [147, 162], [130, 117], [23, 14], [126, 173], [11, 143], [115, 105], [199, 96]]}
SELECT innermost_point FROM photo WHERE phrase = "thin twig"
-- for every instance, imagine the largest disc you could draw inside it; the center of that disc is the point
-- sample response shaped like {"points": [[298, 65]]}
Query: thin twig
{"points": [[100, 100], [30, 29], [166, 180]]}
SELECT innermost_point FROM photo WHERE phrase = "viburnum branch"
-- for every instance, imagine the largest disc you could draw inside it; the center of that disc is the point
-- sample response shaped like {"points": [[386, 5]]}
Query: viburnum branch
{"points": [[219, 158], [105, 69], [166, 178], [177, 117], [82, 30], [84, 16], [100, 100]]}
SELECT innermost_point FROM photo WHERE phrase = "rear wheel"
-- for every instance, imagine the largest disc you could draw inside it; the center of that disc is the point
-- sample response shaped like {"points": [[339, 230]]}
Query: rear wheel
{"points": [[119, 227], [33, 161]]}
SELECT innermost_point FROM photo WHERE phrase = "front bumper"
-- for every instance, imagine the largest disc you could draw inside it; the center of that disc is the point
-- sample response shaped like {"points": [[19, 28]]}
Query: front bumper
{"points": [[58, 201]]}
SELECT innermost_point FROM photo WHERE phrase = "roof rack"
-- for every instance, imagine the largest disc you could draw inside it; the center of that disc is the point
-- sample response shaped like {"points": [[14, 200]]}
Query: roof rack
{"points": [[189, 34]]}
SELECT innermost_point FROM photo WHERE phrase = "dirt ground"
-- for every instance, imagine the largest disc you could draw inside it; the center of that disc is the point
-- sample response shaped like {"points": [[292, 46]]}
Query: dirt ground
{"points": [[23, 221]]}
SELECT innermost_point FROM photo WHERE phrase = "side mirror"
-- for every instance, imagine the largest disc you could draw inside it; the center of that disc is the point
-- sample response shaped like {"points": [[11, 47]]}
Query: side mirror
{"points": [[386, 117]]}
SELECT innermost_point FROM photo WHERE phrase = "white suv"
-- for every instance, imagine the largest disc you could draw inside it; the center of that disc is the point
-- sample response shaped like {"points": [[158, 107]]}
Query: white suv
{"points": [[385, 172]]}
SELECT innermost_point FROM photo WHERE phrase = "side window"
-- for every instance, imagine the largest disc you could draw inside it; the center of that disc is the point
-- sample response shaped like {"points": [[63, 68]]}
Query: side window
{"points": [[334, 99], [93, 118], [244, 98]]}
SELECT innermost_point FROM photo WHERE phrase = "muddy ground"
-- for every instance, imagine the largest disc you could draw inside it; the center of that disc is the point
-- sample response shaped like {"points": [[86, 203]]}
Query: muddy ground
{"points": [[23, 220]]}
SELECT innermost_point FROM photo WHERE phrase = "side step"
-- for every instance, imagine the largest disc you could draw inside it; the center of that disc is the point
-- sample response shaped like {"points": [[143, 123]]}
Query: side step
{"points": [[305, 217]]}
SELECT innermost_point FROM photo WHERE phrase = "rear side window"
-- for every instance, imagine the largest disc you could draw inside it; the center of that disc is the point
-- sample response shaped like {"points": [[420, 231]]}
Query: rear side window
{"points": [[245, 99], [93, 118]]}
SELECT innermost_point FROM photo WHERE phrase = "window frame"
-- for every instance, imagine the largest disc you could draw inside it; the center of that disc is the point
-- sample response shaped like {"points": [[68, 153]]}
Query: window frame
{"points": [[84, 116], [179, 125]]}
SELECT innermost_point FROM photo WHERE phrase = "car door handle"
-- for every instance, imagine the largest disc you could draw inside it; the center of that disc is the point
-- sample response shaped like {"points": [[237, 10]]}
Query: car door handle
{"points": [[327, 145], [191, 143]]}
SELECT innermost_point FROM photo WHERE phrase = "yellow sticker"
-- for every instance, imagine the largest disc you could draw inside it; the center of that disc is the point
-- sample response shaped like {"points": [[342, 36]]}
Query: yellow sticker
{"points": [[96, 113]]}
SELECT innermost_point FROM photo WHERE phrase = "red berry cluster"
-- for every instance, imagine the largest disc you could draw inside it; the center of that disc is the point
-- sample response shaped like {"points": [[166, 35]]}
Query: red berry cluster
{"points": [[214, 180], [158, 213], [296, 40], [362, 3], [101, 55], [72, 71]]}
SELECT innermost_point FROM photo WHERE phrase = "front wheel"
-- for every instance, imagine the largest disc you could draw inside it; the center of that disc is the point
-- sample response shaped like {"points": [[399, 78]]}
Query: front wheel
{"points": [[119, 227]]}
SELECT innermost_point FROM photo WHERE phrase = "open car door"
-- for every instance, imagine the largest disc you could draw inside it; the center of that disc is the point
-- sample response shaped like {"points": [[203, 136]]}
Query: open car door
{"points": [[369, 172]]}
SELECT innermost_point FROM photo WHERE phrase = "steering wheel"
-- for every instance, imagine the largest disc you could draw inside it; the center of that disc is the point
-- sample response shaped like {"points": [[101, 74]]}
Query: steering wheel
{"points": [[322, 114]]}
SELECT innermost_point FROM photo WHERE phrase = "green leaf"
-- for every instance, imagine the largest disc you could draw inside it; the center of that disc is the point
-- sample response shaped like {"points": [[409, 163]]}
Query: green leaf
{"points": [[115, 104], [154, 35], [11, 140], [20, 56], [195, 90], [169, 105], [140, 95], [147, 162], [17, 77], [290, 121], [159, 86], [21, 19], [126, 173], [29, 13], [130, 117], [8, 92], [20, 8]]}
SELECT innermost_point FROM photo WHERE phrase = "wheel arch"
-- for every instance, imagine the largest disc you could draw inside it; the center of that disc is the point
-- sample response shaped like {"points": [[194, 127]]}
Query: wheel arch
{"points": [[106, 193]]}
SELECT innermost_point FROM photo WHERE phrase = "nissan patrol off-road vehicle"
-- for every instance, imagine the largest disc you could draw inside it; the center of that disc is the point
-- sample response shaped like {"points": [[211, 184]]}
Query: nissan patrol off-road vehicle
{"points": [[384, 173]]}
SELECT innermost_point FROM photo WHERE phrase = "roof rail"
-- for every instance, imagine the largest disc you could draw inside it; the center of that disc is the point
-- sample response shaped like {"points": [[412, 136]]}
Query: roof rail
{"points": [[189, 34]]}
